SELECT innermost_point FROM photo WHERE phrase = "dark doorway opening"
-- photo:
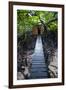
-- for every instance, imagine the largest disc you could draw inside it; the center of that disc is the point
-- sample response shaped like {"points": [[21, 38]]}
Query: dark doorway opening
{"points": [[39, 31]]}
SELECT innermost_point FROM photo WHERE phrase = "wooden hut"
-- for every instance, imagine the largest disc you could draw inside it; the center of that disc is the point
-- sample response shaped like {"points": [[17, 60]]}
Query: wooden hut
{"points": [[37, 30]]}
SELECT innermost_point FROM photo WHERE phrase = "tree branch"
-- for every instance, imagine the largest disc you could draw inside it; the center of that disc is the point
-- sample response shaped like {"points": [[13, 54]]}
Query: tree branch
{"points": [[52, 20]]}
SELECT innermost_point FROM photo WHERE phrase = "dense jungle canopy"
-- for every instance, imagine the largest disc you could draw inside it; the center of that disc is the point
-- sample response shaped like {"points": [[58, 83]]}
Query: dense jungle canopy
{"points": [[26, 19]]}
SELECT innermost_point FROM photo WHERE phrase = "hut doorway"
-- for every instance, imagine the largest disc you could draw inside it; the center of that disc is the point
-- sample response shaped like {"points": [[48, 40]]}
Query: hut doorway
{"points": [[39, 32]]}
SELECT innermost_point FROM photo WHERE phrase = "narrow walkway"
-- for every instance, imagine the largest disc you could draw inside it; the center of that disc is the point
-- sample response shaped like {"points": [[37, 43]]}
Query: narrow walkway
{"points": [[39, 67]]}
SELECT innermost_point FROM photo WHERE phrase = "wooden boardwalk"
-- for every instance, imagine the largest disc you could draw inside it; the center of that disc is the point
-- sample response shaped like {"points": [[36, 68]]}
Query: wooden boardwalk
{"points": [[39, 68]]}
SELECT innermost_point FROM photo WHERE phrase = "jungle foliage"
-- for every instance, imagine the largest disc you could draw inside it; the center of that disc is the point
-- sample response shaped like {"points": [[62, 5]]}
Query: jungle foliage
{"points": [[26, 19]]}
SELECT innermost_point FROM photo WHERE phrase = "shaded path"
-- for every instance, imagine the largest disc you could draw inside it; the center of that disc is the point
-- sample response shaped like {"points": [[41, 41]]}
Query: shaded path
{"points": [[39, 68]]}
